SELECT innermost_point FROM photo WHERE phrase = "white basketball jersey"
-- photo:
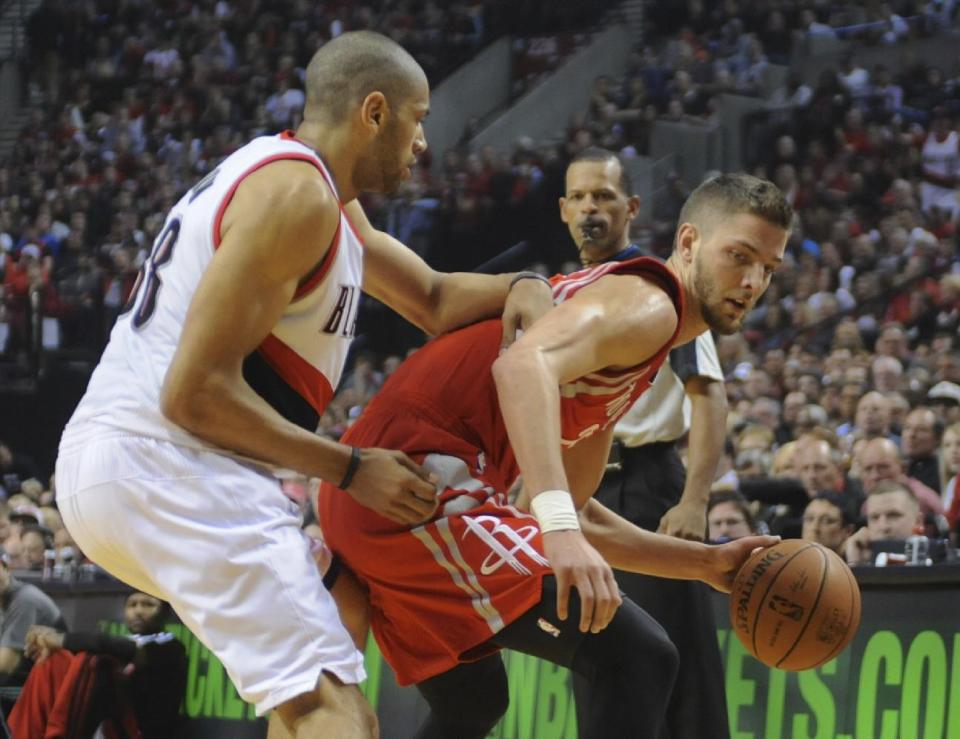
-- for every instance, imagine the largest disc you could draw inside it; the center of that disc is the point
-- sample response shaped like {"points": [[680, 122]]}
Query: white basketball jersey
{"points": [[298, 365], [940, 157]]}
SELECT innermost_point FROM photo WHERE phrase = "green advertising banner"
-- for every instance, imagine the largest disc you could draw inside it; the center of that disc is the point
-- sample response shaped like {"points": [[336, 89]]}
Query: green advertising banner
{"points": [[899, 679]]}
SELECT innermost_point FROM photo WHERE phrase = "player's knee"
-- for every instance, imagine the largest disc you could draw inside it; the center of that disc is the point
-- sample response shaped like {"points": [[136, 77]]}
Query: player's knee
{"points": [[653, 642], [664, 654], [369, 721], [642, 645], [330, 698]]}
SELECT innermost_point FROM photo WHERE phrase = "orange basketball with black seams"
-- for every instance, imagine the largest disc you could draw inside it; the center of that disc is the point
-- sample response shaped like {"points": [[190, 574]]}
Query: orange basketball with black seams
{"points": [[795, 605]]}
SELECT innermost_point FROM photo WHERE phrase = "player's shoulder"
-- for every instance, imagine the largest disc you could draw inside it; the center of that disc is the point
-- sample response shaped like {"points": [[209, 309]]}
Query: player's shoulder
{"points": [[650, 311], [659, 304], [286, 206], [291, 184], [653, 288], [289, 192]]}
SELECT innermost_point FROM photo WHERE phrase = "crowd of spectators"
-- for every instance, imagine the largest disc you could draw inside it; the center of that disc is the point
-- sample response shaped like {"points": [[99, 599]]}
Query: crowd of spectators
{"points": [[856, 336], [132, 102], [844, 387], [847, 378], [32, 534]]}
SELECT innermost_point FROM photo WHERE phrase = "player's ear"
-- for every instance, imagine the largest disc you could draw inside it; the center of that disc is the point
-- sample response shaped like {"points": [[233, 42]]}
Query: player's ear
{"points": [[374, 111], [633, 207], [687, 238], [563, 215]]}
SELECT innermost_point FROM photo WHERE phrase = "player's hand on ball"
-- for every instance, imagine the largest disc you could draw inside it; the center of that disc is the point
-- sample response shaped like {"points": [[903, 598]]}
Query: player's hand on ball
{"points": [[526, 302], [577, 564], [727, 559], [393, 485]]}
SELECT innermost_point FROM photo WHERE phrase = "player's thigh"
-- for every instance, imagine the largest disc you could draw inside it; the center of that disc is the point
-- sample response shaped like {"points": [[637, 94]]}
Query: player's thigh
{"points": [[540, 633], [220, 541]]}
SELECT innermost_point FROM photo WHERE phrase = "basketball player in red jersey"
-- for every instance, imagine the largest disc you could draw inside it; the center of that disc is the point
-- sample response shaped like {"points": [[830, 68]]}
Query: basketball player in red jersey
{"points": [[483, 573], [218, 370]]}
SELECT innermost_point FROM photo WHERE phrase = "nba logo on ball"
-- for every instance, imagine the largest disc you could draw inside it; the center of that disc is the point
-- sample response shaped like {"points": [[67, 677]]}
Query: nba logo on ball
{"points": [[795, 605], [786, 607]]}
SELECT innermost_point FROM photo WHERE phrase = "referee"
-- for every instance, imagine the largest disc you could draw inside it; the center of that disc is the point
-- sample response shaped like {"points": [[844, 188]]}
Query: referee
{"points": [[646, 481]]}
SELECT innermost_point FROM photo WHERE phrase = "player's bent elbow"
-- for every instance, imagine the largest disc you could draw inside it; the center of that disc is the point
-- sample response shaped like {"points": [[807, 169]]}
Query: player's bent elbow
{"points": [[174, 406], [183, 406], [430, 323]]}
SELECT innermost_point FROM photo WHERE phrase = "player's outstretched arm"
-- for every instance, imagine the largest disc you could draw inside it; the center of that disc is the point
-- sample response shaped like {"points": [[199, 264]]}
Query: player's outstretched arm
{"points": [[278, 226], [438, 302], [629, 548], [632, 549]]}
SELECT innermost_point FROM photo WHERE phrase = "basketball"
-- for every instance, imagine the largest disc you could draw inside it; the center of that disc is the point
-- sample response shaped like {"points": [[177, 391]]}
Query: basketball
{"points": [[795, 605]]}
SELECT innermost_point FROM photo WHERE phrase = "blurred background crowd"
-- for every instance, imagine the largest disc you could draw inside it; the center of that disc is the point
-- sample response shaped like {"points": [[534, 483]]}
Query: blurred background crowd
{"points": [[844, 389]]}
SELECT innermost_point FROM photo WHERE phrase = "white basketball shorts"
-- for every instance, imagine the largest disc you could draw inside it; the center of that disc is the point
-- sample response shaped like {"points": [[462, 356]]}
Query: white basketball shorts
{"points": [[217, 539]]}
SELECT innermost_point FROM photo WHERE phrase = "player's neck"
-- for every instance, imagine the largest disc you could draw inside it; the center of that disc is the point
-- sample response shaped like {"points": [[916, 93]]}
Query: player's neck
{"points": [[334, 145], [592, 254]]}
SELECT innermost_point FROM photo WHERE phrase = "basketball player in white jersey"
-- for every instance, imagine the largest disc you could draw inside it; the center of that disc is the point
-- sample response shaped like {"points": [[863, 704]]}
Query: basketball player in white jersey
{"points": [[230, 347], [941, 167]]}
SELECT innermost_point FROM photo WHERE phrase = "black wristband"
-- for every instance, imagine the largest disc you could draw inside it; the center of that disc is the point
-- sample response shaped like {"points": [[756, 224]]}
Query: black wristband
{"points": [[333, 572], [529, 276], [352, 468]]}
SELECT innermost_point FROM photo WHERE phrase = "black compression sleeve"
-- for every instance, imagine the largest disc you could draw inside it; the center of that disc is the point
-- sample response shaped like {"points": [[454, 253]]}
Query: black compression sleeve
{"points": [[116, 646]]}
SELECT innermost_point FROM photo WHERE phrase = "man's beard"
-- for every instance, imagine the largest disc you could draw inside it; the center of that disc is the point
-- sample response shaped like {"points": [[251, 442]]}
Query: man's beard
{"points": [[388, 167], [711, 304]]}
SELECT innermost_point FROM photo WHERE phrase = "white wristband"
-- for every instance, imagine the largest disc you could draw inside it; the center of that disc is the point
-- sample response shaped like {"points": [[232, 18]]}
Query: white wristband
{"points": [[554, 511]]}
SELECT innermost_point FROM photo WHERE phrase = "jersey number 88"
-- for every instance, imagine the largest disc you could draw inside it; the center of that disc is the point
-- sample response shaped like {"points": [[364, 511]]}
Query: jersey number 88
{"points": [[148, 278]]}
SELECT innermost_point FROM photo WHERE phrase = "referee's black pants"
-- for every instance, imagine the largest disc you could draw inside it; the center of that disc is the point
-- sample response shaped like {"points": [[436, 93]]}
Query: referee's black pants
{"points": [[649, 482]]}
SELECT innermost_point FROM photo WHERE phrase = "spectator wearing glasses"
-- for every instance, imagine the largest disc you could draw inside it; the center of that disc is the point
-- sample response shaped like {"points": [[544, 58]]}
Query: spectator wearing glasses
{"points": [[827, 520]]}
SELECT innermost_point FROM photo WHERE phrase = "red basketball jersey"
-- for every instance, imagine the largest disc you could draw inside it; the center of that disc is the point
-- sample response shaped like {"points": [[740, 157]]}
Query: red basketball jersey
{"points": [[440, 590], [452, 375]]}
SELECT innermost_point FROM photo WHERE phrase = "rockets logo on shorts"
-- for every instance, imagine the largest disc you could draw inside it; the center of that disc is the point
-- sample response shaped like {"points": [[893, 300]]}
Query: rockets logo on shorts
{"points": [[518, 541]]}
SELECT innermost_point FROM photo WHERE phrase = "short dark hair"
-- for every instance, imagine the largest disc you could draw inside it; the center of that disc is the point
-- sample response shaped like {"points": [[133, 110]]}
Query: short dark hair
{"points": [[738, 192], [732, 496], [348, 68], [599, 154], [838, 502]]}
